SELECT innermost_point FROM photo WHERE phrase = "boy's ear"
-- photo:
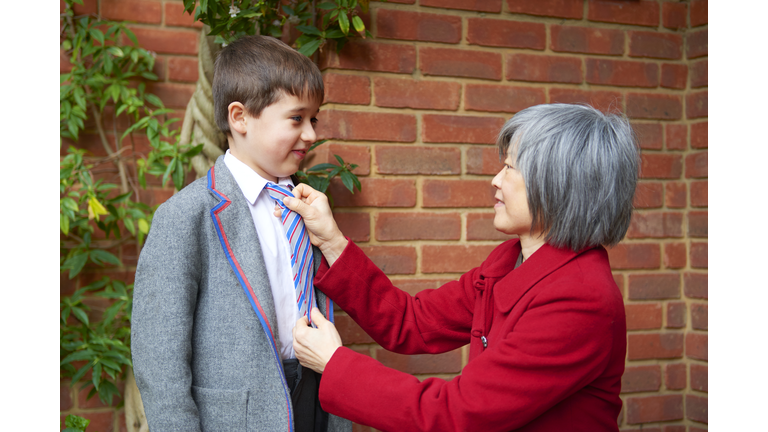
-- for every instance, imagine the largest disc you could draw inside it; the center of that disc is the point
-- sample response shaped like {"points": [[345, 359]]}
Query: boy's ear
{"points": [[237, 117]]}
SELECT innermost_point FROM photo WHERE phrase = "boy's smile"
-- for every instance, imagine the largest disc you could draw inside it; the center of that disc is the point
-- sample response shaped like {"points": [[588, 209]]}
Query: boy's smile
{"points": [[274, 143]]}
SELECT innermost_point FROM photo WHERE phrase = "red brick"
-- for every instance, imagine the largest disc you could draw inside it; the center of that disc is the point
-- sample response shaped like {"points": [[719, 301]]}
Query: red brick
{"points": [[167, 41], [699, 74], [696, 346], [674, 76], [622, 73], [93, 402], [507, 34], [173, 95], [351, 153], [403, 1], [586, 40], [655, 45], [182, 69], [418, 226], [642, 13], [379, 192], [696, 105], [460, 63], [406, 93], [675, 376], [480, 227], [453, 258], [356, 226], [397, 24], [472, 5], [654, 409], [675, 315], [540, 68], [418, 160], [350, 332], [148, 12], [641, 379], [656, 225], [649, 135], [65, 397], [449, 362], [175, 16], [654, 286], [67, 286], [676, 136], [699, 377], [392, 259], [654, 346], [696, 408], [618, 278], [495, 98], [548, 8], [648, 195], [160, 68], [697, 224], [661, 166], [700, 135], [671, 428], [699, 12], [695, 285], [483, 160], [676, 194], [366, 126], [699, 193], [696, 165], [460, 129], [674, 15], [635, 256], [654, 106], [458, 193], [607, 101], [698, 44], [675, 255], [415, 286], [347, 89], [699, 316], [65, 66], [643, 316], [371, 56]]}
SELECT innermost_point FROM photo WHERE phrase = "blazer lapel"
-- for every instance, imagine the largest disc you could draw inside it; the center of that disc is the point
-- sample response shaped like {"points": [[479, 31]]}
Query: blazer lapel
{"points": [[240, 243]]}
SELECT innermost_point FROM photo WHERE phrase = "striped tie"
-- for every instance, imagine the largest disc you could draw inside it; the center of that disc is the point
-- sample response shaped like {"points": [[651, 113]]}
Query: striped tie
{"points": [[301, 252]]}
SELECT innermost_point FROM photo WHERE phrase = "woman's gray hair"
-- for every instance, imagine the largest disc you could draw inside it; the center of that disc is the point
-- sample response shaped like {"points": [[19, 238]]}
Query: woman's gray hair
{"points": [[580, 168]]}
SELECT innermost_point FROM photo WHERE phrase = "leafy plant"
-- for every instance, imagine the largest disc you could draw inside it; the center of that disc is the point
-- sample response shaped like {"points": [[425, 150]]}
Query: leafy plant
{"points": [[74, 423]]}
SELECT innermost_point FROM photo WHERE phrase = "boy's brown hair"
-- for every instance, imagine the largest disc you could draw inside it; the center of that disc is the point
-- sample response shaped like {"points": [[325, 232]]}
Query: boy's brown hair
{"points": [[255, 71]]}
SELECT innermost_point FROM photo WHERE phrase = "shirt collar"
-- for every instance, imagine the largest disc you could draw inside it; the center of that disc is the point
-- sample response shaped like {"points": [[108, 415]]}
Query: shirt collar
{"points": [[250, 182]]}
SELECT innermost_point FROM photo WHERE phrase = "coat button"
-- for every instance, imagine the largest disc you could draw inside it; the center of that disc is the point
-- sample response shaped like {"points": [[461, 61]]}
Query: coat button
{"points": [[485, 341]]}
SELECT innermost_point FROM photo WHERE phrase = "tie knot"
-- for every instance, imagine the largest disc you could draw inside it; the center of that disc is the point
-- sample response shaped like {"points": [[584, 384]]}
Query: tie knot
{"points": [[278, 192]]}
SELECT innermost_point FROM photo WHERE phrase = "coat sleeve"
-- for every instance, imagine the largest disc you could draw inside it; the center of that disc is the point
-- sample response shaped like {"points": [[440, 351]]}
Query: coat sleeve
{"points": [[165, 293], [561, 343], [434, 321]]}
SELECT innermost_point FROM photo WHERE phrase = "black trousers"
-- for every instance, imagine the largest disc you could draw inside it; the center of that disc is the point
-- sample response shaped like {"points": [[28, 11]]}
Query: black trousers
{"points": [[304, 384]]}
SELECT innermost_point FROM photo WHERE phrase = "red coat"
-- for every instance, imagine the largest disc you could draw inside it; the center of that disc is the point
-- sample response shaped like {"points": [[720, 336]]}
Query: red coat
{"points": [[556, 339]]}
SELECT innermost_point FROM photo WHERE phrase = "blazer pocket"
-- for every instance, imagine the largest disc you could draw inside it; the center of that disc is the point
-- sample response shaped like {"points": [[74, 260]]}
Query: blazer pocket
{"points": [[221, 410]]}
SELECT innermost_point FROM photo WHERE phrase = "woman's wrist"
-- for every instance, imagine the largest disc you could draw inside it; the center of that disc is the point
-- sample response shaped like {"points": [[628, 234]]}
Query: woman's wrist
{"points": [[333, 248]]}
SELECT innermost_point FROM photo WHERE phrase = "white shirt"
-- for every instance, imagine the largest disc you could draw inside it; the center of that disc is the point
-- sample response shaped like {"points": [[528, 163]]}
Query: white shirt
{"points": [[275, 248]]}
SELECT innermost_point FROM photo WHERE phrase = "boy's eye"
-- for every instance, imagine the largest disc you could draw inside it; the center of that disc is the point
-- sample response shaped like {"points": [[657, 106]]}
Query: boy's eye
{"points": [[313, 120], [296, 118]]}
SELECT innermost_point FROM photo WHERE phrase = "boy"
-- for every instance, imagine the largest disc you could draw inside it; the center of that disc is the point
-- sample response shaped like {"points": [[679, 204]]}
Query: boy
{"points": [[214, 299]]}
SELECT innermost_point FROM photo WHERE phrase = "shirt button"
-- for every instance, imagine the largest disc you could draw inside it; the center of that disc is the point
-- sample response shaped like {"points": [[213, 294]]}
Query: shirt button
{"points": [[485, 341]]}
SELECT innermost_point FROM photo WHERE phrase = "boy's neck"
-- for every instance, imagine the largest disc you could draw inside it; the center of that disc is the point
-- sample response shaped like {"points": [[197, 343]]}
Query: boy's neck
{"points": [[233, 151]]}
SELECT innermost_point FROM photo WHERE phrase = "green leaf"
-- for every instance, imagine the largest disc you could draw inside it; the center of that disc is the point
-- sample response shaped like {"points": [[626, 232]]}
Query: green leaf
{"points": [[100, 256], [327, 6], [310, 47], [344, 22], [193, 151], [334, 34], [75, 264], [322, 167], [308, 30], [178, 176], [346, 178], [149, 75], [115, 51], [97, 34], [96, 375], [64, 224], [359, 25], [80, 314], [73, 421], [317, 144], [338, 158], [143, 226], [154, 100]]}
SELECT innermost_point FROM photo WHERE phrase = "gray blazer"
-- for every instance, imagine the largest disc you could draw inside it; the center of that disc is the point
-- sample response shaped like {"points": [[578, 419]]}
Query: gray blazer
{"points": [[205, 358]]}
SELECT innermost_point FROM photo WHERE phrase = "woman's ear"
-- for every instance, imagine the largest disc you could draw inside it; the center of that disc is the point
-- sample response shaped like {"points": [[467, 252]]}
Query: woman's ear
{"points": [[237, 117]]}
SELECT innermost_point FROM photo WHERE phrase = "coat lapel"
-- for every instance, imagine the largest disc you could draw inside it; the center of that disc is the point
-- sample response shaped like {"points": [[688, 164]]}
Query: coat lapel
{"points": [[240, 243]]}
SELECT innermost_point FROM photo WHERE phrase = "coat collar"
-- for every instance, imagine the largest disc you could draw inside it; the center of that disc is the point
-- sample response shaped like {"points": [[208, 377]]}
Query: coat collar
{"points": [[514, 284]]}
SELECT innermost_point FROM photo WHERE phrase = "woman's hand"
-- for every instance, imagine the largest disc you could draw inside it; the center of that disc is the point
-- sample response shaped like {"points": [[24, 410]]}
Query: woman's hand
{"points": [[314, 209], [315, 347]]}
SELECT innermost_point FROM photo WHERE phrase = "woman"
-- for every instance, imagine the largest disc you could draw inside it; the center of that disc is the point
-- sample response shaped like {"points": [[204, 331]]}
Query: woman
{"points": [[542, 315]]}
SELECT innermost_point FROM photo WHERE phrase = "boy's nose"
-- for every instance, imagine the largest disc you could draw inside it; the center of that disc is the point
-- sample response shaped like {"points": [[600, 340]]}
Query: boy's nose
{"points": [[308, 134]]}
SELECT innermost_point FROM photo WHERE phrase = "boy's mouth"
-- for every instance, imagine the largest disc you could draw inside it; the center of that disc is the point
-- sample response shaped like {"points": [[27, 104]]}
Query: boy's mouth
{"points": [[300, 153]]}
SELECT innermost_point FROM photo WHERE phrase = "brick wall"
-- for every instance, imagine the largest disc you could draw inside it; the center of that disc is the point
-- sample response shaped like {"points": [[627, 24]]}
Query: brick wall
{"points": [[417, 108]]}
